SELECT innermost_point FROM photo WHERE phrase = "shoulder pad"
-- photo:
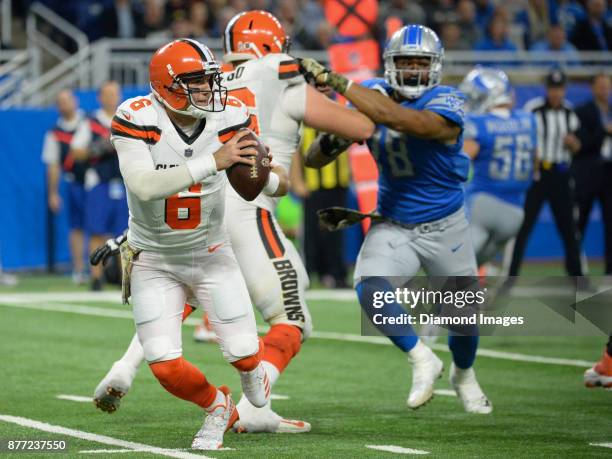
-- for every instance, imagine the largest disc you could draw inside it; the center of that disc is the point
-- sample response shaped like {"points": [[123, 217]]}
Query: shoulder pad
{"points": [[136, 118], [236, 116], [283, 66]]}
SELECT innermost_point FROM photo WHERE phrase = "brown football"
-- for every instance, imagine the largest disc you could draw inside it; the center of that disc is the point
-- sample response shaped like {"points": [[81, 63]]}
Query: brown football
{"points": [[248, 181]]}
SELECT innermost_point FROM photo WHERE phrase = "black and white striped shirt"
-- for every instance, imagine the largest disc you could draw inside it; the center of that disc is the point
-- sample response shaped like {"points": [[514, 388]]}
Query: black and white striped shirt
{"points": [[553, 126]]}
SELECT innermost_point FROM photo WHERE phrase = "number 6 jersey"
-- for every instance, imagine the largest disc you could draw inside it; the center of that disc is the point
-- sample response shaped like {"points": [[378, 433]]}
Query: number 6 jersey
{"points": [[193, 217]]}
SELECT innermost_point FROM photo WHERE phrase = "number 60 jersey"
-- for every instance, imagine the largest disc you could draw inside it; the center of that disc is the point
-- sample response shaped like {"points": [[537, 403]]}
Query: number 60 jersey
{"points": [[191, 218]]}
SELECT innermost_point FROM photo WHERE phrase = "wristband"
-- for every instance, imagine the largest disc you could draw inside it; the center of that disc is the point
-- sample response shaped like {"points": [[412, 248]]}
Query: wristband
{"points": [[272, 185], [202, 167]]}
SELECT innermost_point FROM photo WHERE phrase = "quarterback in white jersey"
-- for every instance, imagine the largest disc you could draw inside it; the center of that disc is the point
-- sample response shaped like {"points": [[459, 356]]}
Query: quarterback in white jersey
{"points": [[172, 146], [268, 82]]}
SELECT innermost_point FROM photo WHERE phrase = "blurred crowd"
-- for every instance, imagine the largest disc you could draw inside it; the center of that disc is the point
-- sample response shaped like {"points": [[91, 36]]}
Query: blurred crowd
{"points": [[483, 25]]}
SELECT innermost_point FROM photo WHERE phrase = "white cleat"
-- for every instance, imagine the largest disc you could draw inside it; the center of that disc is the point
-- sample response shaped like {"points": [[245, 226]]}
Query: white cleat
{"points": [[426, 368], [468, 390], [219, 419], [256, 386], [255, 420], [114, 386]]}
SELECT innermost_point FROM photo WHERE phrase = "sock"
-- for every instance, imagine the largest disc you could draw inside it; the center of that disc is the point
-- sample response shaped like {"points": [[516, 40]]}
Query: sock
{"points": [[272, 372], [403, 336], [463, 349], [609, 346], [282, 343], [185, 381], [187, 310], [134, 354], [219, 400]]}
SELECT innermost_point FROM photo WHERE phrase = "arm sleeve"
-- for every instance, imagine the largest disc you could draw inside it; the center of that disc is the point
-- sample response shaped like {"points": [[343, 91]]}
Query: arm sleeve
{"points": [[148, 184], [82, 136], [293, 101], [51, 151]]}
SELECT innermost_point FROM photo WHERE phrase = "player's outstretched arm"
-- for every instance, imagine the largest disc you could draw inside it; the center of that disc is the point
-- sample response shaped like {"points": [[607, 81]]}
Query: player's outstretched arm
{"points": [[382, 109], [324, 149], [418, 123], [323, 114]]}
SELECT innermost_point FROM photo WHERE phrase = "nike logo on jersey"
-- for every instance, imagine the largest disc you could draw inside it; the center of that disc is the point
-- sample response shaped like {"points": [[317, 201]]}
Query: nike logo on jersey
{"points": [[454, 249], [212, 248]]}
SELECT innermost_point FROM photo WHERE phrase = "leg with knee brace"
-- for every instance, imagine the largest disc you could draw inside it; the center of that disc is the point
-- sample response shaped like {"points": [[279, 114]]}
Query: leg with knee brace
{"points": [[185, 381]]}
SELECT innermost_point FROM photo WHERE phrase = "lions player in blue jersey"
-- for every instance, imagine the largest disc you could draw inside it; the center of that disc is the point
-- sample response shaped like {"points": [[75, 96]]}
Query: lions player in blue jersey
{"points": [[502, 142], [418, 148]]}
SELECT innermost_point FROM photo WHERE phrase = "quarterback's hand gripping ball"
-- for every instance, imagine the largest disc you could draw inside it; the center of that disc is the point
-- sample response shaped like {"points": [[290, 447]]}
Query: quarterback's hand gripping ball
{"points": [[250, 180]]}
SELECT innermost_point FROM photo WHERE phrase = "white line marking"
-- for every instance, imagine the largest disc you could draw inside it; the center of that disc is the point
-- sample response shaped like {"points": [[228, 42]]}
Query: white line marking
{"points": [[74, 398], [397, 449], [32, 424], [445, 392], [603, 445], [279, 397], [126, 314]]}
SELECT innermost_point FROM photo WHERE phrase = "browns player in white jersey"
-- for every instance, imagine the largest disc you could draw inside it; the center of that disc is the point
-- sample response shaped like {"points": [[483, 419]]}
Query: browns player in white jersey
{"points": [[172, 146], [268, 82]]}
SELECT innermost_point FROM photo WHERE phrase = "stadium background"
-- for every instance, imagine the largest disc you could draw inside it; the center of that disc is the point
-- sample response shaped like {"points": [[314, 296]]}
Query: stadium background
{"points": [[33, 71], [57, 340]]}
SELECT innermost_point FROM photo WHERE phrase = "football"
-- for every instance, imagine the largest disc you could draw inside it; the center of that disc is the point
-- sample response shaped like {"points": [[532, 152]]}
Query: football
{"points": [[248, 181]]}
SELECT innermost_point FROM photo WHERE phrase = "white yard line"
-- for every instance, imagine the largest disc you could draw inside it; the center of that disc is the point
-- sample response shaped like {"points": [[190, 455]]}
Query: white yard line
{"points": [[381, 340], [397, 449], [445, 392], [81, 399], [603, 445], [59, 430], [74, 398]]}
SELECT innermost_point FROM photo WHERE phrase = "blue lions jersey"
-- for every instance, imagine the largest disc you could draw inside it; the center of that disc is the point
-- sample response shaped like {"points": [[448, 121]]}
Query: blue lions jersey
{"points": [[504, 164], [420, 180]]}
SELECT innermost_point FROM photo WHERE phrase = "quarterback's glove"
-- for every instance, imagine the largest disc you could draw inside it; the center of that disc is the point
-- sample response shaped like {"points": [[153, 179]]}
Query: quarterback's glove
{"points": [[104, 252], [337, 218], [315, 72]]}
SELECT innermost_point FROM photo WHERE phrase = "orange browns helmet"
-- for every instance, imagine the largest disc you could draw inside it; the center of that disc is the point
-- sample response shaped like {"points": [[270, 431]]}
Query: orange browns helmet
{"points": [[178, 71], [253, 34]]}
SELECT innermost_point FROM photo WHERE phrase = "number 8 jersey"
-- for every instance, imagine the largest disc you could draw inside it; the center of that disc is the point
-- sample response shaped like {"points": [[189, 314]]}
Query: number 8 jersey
{"points": [[420, 180], [192, 218]]}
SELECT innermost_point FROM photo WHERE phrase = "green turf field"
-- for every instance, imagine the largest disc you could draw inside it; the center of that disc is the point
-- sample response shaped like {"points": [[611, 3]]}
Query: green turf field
{"points": [[353, 393]]}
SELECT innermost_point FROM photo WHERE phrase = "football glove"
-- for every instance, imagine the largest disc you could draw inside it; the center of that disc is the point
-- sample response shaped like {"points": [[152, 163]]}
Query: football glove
{"points": [[128, 255], [337, 218], [104, 252], [316, 73]]}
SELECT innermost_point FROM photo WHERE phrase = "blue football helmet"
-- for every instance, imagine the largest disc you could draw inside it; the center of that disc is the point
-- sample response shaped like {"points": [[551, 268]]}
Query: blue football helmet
{"points": [[410, 41], [485, 88]]}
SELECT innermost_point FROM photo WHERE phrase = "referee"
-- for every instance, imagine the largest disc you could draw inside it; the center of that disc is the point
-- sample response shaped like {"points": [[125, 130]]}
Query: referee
{"points": [[557, 124]]}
